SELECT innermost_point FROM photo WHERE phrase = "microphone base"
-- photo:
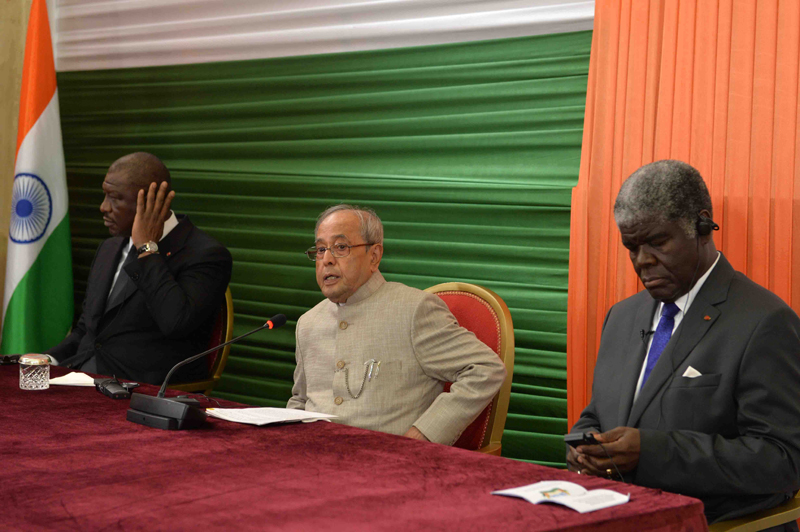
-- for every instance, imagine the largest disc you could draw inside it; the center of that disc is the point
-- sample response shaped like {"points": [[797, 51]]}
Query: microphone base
{"points": [[165, 414]]}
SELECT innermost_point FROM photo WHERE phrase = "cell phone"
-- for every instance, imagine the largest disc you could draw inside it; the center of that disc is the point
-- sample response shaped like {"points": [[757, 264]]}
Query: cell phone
{"points": [[111, 388], [115, 389], [6, 360], [580, 438]]}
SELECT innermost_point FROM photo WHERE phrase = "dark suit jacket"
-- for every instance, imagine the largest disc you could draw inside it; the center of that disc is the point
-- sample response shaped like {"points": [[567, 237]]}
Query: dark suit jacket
{"points": [[730, 437], [165, 314]]}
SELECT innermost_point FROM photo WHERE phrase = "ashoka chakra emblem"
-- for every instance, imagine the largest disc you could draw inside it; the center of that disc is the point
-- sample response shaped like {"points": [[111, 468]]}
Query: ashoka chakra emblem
{"points": [[31, 209]]}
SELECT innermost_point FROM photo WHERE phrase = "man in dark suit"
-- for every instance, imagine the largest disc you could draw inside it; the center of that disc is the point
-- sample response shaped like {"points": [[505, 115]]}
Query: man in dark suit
{"points": [[154, 289], [697, 383]]}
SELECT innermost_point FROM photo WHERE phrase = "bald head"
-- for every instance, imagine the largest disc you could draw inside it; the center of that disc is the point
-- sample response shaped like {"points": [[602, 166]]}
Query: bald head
{"points": [[141, 169]]}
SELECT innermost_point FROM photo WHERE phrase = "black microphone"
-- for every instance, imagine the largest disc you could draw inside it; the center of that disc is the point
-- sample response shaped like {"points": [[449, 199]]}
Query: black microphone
{"points": [[175, 414], [644, 334]]}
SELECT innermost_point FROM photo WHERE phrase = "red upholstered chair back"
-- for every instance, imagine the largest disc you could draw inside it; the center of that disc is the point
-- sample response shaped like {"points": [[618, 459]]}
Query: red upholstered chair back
{"points": [[485, 314], [221, 332]]}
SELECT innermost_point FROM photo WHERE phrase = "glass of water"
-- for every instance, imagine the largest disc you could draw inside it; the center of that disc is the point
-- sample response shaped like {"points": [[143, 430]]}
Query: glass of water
{"points": [[34, 372]]}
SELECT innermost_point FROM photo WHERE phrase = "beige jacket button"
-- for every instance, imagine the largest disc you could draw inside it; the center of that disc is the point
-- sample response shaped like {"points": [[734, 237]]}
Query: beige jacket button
{"points": [[340, 364], [338, 400], [343, 325]]}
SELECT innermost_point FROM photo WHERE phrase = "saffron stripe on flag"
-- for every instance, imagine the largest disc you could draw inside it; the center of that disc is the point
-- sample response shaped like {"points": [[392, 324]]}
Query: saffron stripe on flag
{"points": [[39, 71]]}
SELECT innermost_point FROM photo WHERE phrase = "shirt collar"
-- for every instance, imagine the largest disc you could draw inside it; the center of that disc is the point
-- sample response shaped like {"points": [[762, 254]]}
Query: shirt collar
{"points": [[372, 285], [691, 295], [169, 225]]}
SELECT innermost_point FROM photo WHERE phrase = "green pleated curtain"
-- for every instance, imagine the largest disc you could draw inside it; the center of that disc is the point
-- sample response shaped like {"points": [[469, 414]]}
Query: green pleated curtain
{"points": [[468, 152]]}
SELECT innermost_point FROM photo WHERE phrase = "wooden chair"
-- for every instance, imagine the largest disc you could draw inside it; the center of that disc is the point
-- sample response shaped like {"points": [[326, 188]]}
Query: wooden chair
{"points": [[785, 513], [484, 313], [222, 332]]}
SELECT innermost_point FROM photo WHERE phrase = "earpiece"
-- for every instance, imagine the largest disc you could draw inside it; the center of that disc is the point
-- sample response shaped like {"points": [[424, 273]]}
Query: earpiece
{"points": [[705, 225]]}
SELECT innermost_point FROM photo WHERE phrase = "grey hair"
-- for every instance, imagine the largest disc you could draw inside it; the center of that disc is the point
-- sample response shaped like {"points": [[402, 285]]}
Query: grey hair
{"points": [[663, 191], [371, 225]]}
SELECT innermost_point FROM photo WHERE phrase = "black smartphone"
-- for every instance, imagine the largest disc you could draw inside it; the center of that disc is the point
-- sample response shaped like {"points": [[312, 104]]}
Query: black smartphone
{"points": [[579, 438], [6, 360]]}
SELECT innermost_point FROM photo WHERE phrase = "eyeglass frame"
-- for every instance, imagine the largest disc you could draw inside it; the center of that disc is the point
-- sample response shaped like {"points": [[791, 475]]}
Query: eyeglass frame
{"points": [[316, 251]]}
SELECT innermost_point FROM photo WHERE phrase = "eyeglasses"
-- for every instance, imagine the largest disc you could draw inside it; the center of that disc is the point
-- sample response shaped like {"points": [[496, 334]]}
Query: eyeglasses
{"points": [[337, 250]]}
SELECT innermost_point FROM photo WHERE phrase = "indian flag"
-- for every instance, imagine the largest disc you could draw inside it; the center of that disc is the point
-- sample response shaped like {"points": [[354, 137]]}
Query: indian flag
{"points": [[38, 301]]}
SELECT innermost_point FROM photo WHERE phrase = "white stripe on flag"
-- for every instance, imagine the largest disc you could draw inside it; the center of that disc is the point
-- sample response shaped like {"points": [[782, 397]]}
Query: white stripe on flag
{"points": [[41, 154]]}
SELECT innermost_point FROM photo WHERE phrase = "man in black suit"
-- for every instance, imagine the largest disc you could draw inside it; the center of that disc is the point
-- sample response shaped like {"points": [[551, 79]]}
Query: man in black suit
{"points": [[697, 383], [154, 289]]}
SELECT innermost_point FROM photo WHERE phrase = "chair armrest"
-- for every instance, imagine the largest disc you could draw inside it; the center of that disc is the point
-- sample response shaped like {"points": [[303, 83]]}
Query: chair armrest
{"points": [[492, 448], [195, 386], [785, 513]]}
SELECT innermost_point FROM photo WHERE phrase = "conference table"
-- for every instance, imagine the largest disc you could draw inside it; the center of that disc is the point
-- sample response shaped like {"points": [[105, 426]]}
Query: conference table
{"points": [[71, 461]]}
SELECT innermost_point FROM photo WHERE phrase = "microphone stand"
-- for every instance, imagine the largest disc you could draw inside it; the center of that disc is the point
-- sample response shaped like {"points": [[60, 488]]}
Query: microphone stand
{"points": [[163, 389], [175, 413]]}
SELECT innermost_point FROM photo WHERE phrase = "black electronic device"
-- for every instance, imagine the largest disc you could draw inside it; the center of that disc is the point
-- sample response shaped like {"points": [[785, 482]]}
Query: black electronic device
{"points": [[163, 413], [7, 360], [180, 413], [114, 389], [705, 225], [580, 438]]}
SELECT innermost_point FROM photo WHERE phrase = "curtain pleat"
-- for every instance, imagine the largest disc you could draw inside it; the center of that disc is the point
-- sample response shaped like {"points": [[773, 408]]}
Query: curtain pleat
{"points": [[100, 34], [714, 84], [468, 153]]}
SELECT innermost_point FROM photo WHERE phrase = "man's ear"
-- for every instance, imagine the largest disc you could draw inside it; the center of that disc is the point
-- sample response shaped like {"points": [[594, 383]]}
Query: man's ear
{"points": [[704, 219], [375, 256]]}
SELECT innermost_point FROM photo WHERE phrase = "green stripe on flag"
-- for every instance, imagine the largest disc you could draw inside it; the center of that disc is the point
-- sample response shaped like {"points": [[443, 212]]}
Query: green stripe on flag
{"points": [[40, 310]]}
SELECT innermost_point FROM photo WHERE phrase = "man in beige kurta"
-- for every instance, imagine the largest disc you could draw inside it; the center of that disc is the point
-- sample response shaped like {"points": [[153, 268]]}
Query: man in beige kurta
{"points": [[377, 353]]}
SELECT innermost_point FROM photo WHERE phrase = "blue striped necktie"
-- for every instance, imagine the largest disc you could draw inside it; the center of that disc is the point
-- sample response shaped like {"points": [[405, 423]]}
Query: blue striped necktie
{"points": [[660, 338]]}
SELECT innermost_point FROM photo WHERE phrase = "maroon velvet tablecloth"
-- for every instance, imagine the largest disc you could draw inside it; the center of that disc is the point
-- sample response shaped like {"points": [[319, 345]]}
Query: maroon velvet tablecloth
{"points": [[72, 462]]}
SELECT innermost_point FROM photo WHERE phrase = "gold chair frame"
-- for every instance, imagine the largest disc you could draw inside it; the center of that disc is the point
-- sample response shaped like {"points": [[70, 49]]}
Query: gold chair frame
{"points": [[497, 417], [785, 513], [206, 386]]}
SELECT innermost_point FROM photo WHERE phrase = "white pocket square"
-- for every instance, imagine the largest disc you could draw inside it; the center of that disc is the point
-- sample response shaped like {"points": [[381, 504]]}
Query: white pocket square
{"points": [[691, 373]]}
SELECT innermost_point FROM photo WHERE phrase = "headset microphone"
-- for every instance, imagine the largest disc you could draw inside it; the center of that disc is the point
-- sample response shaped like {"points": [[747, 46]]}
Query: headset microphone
{"points": [[705, 225]]}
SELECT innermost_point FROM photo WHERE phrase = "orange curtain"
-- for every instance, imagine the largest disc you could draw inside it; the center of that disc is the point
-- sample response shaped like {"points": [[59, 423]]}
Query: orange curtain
{"points": [[713, 83]]}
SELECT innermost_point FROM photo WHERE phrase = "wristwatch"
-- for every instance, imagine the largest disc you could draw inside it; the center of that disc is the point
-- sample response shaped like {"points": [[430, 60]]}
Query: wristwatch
{"points": [[149, 246]]}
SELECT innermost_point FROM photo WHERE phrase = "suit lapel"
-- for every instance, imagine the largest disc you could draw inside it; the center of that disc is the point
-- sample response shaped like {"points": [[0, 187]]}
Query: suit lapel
{"points": [[105, 265], [128, 288], [691, 330], [637, 346]]}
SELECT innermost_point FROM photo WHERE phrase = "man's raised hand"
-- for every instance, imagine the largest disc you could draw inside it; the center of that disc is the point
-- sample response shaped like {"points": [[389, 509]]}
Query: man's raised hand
{"points": [[152, 210]]}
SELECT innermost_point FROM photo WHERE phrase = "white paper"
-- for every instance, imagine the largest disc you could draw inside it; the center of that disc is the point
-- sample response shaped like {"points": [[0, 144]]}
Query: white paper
{"points": [[266, 415], [568, 494], [75, 378]]}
